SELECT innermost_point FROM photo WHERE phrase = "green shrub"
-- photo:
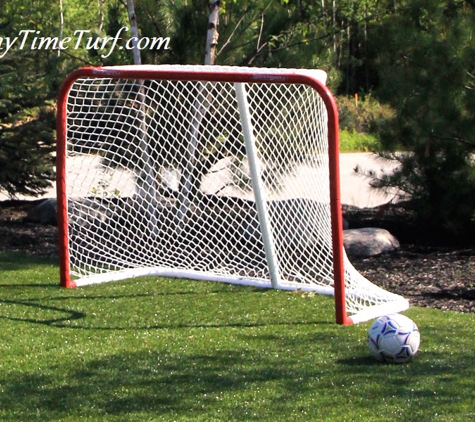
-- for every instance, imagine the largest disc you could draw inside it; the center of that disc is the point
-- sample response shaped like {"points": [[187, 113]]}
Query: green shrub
{"points": [[362, 115], [357, 142], [360, 120], [26, 153]]}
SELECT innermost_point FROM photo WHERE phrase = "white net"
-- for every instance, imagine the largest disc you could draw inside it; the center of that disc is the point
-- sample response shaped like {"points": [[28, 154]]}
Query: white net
{"points": [[159, 181]]}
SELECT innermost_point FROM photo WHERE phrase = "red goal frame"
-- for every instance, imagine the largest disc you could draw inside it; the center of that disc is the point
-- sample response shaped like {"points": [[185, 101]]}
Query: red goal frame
{"points": [[207, 73]]}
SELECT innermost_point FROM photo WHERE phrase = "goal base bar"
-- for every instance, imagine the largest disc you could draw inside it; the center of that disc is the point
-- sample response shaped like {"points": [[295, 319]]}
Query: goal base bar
{"points": [[366, 314], [376, 311], [196, 275]]}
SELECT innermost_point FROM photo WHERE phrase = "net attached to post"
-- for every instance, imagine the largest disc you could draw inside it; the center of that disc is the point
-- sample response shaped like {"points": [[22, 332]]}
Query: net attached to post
{"points": [[161, 179]]}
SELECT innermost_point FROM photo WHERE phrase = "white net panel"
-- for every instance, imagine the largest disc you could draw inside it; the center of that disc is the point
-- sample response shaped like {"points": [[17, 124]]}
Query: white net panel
{"points": [[158, 182]]}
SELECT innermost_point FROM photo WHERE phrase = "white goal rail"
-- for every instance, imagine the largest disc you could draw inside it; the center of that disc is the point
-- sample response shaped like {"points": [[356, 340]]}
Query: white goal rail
{"points": [[206, 172]]}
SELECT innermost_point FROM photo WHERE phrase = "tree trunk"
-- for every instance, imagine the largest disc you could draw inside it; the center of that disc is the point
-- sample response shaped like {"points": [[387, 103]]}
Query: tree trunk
{"points": [[192, 168], [134, 31], [212, 36], [147, 178], [61, 23]]}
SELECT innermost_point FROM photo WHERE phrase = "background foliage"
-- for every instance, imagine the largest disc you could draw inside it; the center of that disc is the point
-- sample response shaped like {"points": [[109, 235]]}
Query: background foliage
{"points": [[411, 62], [426, 66]]}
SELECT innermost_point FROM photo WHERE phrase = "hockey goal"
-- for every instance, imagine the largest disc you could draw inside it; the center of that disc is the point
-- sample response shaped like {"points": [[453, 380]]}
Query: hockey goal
{"points": [[206, 172]]}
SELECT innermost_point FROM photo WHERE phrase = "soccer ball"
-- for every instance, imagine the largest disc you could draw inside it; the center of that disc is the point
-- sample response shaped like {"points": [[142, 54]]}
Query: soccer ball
{"points": [[393, 338]]}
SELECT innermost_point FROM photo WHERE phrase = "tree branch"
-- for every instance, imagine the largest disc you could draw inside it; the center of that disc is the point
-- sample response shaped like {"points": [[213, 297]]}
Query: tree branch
{"points": [[232, 33]]}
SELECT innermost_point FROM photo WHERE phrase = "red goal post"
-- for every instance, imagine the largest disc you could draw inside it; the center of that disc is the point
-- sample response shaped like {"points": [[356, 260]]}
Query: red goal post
{"points": [[261, 134]]}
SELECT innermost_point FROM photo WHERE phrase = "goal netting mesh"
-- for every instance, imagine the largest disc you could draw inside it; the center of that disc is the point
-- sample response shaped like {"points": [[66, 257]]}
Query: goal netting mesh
{"points": [[205, 179]]}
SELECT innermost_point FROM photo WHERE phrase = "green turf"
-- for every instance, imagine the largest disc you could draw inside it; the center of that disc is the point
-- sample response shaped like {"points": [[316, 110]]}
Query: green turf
{"points": [[165, 349]]}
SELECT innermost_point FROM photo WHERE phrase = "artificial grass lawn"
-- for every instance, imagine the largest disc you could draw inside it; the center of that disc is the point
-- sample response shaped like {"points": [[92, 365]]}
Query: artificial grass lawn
{"points": [[168, 349]]}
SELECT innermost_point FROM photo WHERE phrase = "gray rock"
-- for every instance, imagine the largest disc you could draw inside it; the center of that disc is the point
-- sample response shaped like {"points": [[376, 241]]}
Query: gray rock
{"points": [[369, 241], [46, 212]]}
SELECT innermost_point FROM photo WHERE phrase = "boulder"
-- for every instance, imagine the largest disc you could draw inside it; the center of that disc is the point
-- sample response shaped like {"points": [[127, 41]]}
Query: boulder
{"points": [[46, 212], [369, 241]]}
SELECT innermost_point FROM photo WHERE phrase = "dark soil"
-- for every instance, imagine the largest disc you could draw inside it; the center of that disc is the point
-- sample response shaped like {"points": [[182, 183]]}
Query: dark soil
{"points": [[427, 270], [18, 235]]}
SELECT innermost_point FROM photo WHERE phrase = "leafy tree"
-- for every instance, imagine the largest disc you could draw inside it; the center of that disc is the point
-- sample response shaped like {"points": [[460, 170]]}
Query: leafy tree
{"points": [[31, 78], [26, 143], [427, 73], [26, 161]]}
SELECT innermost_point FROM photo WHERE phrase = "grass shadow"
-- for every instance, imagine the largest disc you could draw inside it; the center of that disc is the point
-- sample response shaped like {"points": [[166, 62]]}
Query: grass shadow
{"points": [[155, 383]]}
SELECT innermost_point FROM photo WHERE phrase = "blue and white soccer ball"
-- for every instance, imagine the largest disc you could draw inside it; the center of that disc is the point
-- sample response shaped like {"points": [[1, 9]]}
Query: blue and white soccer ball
{"points": [[394, 339]]}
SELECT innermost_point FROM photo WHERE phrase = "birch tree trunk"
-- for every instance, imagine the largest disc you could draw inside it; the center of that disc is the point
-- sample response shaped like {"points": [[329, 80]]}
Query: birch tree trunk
{"points": [[147, 178], [61, 23], [134, 31], [212, 36], [191, 176]]}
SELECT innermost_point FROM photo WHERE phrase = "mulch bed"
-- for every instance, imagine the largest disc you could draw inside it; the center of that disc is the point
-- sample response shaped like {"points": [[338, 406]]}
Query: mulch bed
{"points": [[428, 270], [425, 270]]}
